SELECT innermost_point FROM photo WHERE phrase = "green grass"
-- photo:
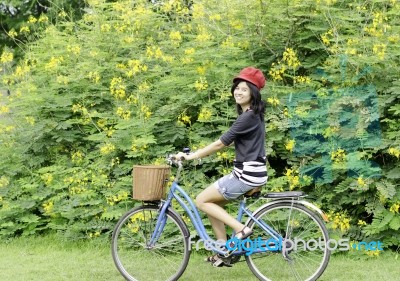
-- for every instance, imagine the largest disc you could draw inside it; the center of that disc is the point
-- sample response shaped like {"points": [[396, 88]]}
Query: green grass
{"points": [[51, 258]]}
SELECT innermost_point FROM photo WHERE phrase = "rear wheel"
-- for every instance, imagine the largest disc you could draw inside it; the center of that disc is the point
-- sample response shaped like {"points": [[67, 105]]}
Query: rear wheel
{"points": [[134, 255], [302, 254]]}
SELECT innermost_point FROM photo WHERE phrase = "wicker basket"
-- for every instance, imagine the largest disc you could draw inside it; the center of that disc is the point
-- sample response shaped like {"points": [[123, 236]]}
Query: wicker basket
{"points": [[149, 182]]}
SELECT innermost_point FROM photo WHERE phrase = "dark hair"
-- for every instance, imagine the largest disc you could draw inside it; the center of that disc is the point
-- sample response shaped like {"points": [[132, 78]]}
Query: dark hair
{"points": [[257, 104]]}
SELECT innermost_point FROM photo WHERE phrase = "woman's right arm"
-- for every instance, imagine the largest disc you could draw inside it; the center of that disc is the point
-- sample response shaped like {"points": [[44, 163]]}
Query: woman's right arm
{"points": [[203, 152]]}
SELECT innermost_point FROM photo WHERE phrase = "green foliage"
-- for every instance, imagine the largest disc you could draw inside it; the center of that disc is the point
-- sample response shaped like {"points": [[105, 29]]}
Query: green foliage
{"points": [[132, 81]]}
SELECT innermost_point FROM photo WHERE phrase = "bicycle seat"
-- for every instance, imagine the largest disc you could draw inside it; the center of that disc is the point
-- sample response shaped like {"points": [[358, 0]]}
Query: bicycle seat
{"points": [[254, 193], [285, 194]]}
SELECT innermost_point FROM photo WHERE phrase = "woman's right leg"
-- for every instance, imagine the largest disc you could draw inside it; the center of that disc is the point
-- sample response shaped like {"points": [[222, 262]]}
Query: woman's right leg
{"points": [[208, 201]]}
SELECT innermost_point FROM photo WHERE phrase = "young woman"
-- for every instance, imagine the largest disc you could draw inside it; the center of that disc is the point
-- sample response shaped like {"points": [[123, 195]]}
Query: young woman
{"points": [[249, 172]]}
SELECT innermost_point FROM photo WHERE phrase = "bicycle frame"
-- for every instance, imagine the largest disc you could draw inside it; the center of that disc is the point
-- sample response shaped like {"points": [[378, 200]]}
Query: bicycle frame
{"points": [[177, 193]]}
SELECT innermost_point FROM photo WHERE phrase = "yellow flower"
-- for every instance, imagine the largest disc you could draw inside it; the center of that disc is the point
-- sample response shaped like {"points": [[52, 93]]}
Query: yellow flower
{"points": [[105, 27], [290, 145], [123, 113], [183, 118], [62, 79], [290, 57], [293, 178], [43, 18], [74, 49], [4, 109], [21, 71], [361, 182], [189, 51], [47, 178], [6, 57], [236, 24], [330, 131], [77, 157], [117, 88], [201, 70], [338, 156], [24, 29], [276, 72], [107, 148], [216, 17], [62, 14], [32, 19], [373, 253], [273, 101], [326, 37], [54, 62], [12, 33], [222, 155], [340, 221], [133, 67], [48, 207], [175, 36], [154, 52], [201, 84], [394, 151], [4, 181], [132, 99], [144, 87], [198, 11], [30, 120], [94, 76], [302, 79], [146, 111], [205, 114], [203, 35], [395, 208], [361, 222], [379, 50], [228, 43]]}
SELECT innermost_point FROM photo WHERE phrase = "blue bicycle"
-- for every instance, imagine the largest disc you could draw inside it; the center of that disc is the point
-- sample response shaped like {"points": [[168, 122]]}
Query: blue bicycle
{"points": [[289, 240]]}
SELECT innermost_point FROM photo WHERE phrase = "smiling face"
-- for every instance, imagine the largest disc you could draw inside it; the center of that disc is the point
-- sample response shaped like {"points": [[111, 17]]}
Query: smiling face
{"points": [[242, 95]]}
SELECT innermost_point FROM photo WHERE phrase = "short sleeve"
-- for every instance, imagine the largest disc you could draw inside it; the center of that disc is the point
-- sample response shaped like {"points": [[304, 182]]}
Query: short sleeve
{"points": [[244, 124]]}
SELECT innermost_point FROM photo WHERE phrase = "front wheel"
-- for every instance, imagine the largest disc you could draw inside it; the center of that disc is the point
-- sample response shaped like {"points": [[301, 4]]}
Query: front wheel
{"points": [[302, 252], [138, 258]]}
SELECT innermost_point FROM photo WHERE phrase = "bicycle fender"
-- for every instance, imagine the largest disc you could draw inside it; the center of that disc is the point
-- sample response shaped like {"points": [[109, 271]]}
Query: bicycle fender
{"points": [[301, 202], [315, 208]]}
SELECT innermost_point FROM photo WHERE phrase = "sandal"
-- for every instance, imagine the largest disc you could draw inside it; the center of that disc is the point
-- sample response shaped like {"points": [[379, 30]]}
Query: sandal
{"points": [[212, 259], [236, 239], [218, 261], [244, 235]]}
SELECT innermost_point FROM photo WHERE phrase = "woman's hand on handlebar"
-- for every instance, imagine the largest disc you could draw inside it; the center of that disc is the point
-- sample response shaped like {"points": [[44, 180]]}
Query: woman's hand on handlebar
{"points": [[182, 156]]}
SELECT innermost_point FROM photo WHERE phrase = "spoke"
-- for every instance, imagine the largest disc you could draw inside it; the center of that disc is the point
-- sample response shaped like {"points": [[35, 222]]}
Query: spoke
{"points": [[295, 274]]}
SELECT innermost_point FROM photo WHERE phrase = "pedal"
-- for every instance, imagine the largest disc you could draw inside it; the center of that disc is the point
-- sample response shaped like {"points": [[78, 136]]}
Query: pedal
{"points": [[218, 263], [229, 253]]}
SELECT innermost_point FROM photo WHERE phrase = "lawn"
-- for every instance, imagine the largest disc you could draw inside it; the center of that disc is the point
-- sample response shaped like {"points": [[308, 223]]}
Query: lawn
{"points": [[53, 258]]}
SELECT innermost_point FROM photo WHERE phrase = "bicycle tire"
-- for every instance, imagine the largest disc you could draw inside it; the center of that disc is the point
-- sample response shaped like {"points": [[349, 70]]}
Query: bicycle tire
{"points": [[136, 260], [296, 223]]}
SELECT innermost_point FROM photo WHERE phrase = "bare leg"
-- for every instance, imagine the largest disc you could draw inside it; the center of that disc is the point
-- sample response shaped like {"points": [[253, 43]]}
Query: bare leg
{"points": [[211, 201], [218, 226]]}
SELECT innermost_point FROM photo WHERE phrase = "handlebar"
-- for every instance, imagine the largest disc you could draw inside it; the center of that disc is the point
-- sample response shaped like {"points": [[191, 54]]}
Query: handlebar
{"points": [[172, 160]]}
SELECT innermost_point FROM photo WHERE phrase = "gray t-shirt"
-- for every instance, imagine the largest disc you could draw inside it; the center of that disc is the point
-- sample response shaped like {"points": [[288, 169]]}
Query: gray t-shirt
{"points": [[248, 134]]}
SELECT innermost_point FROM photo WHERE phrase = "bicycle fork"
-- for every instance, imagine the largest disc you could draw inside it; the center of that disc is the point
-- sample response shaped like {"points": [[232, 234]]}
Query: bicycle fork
{"points": [[159, 227]]}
